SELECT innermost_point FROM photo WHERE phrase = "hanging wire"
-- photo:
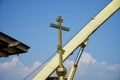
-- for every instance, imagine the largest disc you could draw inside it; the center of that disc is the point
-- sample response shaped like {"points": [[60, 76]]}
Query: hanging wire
{"points": [[39, 66]]}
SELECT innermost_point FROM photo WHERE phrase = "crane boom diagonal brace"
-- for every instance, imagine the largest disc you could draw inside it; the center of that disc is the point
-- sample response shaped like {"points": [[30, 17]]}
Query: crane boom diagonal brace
{"points": [[91, 27]]}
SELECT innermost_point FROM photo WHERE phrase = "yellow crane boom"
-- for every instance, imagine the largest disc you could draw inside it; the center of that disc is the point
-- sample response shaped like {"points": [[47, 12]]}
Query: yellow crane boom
{"points": [[79, 38]]}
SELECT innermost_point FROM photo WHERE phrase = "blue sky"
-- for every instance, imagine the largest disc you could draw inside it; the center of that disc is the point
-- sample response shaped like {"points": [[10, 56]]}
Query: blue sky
{"points": [[28, 21]]}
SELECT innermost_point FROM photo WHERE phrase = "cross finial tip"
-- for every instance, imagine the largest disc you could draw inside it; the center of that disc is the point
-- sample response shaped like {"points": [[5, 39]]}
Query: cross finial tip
{"points": [[59, 19]]}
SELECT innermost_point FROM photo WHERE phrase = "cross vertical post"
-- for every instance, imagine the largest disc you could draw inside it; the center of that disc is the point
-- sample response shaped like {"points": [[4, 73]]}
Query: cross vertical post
{"points": [[59, 46], [61, 70]]}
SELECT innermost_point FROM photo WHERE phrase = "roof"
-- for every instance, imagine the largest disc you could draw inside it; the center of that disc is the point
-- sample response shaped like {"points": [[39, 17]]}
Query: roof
{"points": [[10, 46]]}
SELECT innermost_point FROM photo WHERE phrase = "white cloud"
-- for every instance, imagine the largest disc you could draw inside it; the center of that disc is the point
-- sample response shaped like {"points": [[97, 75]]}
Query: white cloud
{"points": [[91, 69], [15, 70], [87, 59], [114, 67], [10, 64], [88, 69]]}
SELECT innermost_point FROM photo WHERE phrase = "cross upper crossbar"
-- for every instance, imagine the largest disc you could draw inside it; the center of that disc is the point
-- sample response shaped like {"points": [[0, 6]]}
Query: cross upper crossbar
{"points": [[57, 26]]}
